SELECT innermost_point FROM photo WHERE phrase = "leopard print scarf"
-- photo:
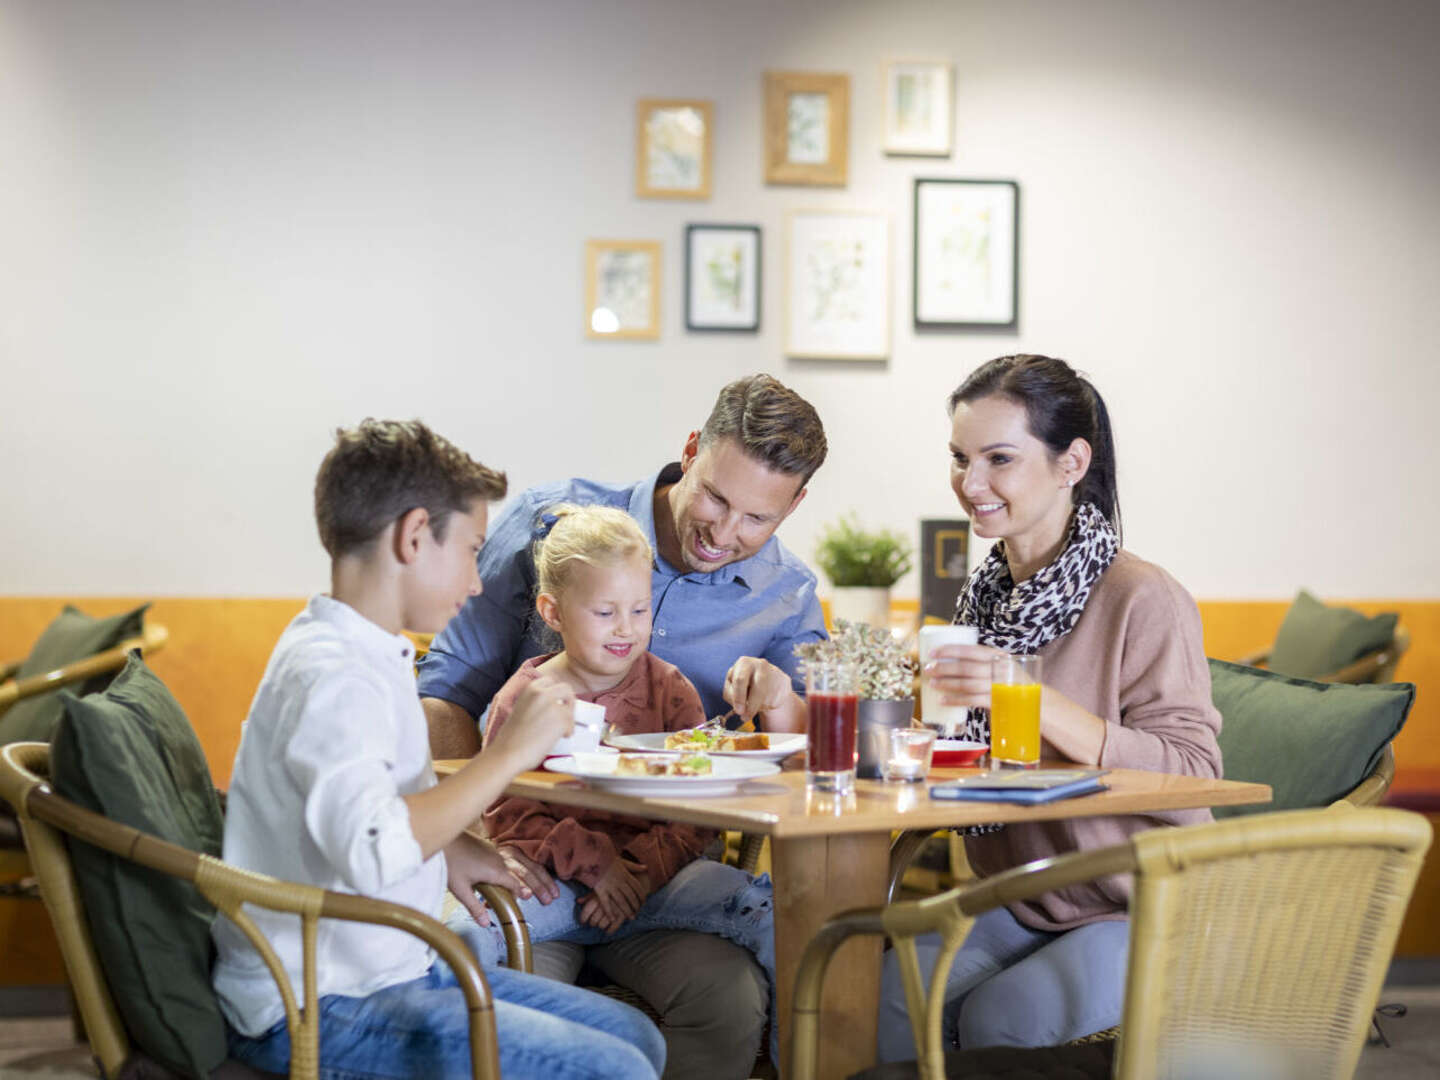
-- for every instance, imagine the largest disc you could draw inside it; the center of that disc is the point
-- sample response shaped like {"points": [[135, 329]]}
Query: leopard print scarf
{"points": [[1024, 618]]}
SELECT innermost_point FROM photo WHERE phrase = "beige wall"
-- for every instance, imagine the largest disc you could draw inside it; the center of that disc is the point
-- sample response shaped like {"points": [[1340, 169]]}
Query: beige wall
{"points": [[229, 226]]}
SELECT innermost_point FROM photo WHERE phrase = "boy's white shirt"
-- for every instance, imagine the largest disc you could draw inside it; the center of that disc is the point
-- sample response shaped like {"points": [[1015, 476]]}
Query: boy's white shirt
{"points": [[335, 737]]}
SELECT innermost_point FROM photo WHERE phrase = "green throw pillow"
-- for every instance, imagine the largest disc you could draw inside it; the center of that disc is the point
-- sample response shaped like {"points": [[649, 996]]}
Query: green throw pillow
{"points": [[1315, 640], [129, 753], [1311, 742], [72, 636]]}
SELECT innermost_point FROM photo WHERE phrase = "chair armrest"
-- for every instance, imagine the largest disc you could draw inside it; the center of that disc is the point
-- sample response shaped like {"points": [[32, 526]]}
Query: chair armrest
{"points": [[1363, 670], [7, 671], [506, 908], [15, 690], [1255, 659], [1371, 790]]}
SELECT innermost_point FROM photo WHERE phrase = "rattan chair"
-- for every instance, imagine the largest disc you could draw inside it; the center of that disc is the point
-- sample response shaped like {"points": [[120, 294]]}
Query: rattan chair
{"points": [[1374, 667], [1258, 945], [12, 689], [46, 819]]}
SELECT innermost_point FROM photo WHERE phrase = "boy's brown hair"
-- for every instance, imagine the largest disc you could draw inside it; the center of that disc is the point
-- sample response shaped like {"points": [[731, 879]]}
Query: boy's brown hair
{"points": [[380, 470], [772, 423]]}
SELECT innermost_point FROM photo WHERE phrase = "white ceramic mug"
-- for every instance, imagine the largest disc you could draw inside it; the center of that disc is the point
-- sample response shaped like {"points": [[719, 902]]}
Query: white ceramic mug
{"points": [[589, 724], [948, 720]]}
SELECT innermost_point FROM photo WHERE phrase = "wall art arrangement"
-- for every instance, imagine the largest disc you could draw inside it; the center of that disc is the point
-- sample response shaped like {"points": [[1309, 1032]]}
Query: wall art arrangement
{"points": [[807, 128], [672, 149], [722, 277], [837, 285], [967, 253], [919, 107], [622, 289]]}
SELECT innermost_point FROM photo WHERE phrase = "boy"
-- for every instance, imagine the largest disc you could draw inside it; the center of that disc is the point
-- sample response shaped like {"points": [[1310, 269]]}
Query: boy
{"points": [[333, 786]]}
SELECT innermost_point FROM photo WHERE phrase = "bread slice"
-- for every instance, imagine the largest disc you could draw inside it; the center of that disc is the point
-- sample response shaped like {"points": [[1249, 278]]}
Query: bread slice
{"points": [[703, 739], [658, 765]]}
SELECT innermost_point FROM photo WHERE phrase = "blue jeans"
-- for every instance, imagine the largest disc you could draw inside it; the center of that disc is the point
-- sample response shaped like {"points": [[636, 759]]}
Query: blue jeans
{"points": [[420, 1029], [1014, 986], [705, 895]]}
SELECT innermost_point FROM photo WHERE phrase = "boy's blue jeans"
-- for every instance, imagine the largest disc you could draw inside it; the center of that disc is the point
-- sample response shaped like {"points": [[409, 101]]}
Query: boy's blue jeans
{"points": [[1011, 985], [420, 1029], [707, 896]]}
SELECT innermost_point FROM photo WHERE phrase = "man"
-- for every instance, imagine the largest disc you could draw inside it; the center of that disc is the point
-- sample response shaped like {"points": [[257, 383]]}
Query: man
{"points": [[730, 604]]}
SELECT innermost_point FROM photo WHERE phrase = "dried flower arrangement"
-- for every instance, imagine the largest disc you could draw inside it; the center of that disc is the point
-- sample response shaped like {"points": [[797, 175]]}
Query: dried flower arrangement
{"points": [[884, 670]]}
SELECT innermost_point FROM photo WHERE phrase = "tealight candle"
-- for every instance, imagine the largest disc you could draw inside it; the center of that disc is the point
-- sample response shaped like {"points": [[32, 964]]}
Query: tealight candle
{"points": [[910, 750]]}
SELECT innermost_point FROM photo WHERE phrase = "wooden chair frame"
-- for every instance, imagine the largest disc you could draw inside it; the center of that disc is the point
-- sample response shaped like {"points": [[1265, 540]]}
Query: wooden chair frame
{"points": [[12, 689], [1374, 667], [46, 819], [1157, 858]]}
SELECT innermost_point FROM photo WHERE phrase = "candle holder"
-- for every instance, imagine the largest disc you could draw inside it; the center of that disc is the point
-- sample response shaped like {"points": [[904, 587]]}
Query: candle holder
{"points": [[909, 758]]}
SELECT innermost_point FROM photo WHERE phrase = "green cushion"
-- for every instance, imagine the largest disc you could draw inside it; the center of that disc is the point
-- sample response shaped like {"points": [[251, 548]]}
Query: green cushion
{"points": [[73, 636], [1316, 640], [1311, 742], [130, 754]]}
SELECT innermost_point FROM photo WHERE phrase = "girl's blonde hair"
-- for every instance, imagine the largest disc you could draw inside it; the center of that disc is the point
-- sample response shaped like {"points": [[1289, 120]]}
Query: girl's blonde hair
{"points": [[594, 535]]}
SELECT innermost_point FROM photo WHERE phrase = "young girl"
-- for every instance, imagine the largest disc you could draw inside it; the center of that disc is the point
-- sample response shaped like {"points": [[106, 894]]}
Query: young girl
{"points": [[614, 875]]}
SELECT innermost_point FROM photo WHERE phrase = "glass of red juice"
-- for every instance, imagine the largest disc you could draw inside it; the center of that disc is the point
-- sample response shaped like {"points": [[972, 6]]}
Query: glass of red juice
{"points": [[833, 705]]}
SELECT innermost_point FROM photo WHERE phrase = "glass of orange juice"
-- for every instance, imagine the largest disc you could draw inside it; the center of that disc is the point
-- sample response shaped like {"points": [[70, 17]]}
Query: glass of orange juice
{"points": [[1015, 711]]}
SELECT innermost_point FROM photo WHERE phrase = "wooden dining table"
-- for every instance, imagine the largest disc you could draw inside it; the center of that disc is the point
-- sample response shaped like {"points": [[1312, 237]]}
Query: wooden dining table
{"points": [[831, 853]]}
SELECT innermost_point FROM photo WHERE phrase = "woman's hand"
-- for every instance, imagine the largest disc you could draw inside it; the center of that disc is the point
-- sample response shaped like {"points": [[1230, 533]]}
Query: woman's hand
{"points": [[961, 673]]}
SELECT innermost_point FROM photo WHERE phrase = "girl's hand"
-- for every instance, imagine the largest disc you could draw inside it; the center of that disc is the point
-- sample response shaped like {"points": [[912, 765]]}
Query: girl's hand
{"points": [[961, 673], [531, 874], [543, 713]]}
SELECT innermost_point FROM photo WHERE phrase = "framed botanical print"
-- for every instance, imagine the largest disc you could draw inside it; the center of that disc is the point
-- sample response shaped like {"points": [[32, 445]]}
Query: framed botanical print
{"points": [[967, 253], [919, 107], [837, 285], [807, 128], [672, 149], [722, 277], [622, 289]]}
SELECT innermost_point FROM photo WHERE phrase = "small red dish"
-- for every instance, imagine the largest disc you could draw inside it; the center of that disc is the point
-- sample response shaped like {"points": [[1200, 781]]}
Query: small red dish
{"points": [[955, 753]]}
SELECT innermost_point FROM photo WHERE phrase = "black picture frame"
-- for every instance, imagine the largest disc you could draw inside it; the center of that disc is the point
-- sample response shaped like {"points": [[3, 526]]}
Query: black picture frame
{"points": [[965, 263], [708, 316]]}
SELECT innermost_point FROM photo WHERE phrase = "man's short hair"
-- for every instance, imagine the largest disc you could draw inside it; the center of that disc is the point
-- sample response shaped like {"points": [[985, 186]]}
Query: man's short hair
{"points": [[773, 424], [380, 470]]}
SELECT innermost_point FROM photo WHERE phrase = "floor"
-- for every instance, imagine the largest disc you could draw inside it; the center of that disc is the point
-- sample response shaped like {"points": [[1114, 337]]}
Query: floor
{"points": [[43, 1047]]}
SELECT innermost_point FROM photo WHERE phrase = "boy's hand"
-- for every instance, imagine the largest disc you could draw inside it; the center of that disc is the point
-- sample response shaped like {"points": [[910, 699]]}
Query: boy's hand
{"points": [[615, 899], [469, 862], [753, 686], [541, 884], [543, 713]]}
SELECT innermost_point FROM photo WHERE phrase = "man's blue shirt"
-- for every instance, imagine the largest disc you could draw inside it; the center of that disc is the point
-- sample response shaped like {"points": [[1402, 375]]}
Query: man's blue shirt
{"points": [[703, 622]]}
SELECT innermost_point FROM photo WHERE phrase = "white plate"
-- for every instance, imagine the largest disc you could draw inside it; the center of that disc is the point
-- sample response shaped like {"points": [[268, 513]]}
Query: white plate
{"points": [[599, 772], [782, 745]]}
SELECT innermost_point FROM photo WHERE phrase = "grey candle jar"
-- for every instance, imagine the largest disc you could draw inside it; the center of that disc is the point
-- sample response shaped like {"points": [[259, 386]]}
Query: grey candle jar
{"points": [[872, 742]]}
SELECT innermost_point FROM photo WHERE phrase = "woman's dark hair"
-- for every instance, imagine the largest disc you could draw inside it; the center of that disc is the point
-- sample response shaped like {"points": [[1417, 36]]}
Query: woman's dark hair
{"points": [[1061, 405]]}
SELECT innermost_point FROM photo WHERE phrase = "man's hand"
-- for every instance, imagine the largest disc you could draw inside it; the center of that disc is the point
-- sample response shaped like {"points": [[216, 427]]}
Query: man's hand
{"points": [[754, 686], [470, 862], [531, 873], [616, 898]]}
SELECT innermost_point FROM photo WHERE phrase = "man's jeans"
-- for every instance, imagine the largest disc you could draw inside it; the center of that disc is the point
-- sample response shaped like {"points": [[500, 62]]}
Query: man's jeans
{"points": [[547, 1031], [1014, 986], [705, 895]]}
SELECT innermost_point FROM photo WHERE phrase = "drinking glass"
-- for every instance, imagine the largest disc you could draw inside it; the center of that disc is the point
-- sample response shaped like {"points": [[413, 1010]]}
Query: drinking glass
{"points": [[947, 720], [833, 705], [910, 751], [1015, 711]]}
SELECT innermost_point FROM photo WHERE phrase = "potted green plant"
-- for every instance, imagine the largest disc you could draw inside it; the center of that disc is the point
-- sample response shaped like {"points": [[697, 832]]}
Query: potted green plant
{"points": [[862, 565], [885, 684]]}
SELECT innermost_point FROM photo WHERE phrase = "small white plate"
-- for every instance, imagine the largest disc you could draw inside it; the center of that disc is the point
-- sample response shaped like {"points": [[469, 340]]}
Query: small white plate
{"points": [[599, 772], [782, 745]]}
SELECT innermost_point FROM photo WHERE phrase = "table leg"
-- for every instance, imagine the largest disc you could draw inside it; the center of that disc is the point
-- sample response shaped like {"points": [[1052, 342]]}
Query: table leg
{"points": [[815, 878]]}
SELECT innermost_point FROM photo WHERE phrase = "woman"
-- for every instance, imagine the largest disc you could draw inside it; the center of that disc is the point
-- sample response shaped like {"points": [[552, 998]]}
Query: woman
{"points": [[1125, 686]]}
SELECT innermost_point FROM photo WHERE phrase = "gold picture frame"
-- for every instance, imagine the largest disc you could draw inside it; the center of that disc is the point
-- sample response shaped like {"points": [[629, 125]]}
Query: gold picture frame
{"points": [[807, 128], [622, 289], [673, 141]]}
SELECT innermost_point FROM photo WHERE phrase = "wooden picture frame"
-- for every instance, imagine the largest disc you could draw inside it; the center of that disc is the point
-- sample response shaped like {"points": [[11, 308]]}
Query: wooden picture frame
{"points": [[673, 142], [919, 107], [837, 284], [807, 128], [722, 277], [967, 254], [622, 289]]}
